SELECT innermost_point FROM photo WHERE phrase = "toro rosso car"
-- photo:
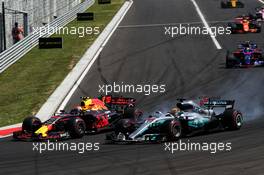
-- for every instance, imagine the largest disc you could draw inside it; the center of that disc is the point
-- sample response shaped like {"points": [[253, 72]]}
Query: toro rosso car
{"points": [[245, 24], [92, 115], [186, 119], [232, 4], [247, 55]]}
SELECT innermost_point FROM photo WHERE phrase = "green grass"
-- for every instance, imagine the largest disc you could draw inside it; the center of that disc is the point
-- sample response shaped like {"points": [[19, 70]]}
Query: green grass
{"points": [[27, 84]]}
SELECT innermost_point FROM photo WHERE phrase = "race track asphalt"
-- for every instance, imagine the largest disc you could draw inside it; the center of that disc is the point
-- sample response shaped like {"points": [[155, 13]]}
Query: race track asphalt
{"points": [[190, 66]]}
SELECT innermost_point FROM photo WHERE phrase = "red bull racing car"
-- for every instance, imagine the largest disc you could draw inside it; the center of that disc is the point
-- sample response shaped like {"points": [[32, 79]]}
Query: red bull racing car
{"points": [[245, 24], [92, 115], [247, 55]]}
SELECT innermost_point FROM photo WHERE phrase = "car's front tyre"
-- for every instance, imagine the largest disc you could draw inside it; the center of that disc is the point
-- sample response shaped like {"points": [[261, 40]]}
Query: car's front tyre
{"points": [[175, 130], [76, 128], [31, 124]]}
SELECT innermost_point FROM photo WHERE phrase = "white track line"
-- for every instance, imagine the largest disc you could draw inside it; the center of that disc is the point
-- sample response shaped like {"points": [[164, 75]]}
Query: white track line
{"points": [[169, 24], [218, 46], [68, 97]]}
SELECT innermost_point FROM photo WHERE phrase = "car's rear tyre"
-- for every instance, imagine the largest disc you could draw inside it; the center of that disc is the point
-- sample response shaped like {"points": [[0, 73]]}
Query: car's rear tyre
{"points": [[258, 29], [125, 126], [230, 60], [129, 113], [76, 128], [240, 5], [175, 130], [109, 138], [223, 5], [233, 119], [232, 27], [31, 124]]}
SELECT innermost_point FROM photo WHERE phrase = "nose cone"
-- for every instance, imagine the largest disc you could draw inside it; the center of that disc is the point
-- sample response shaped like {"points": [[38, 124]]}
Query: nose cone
{"points": [[248, 59]]}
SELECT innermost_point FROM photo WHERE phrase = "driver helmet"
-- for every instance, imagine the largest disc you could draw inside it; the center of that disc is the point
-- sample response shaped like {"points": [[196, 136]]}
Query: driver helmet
{"points": [[245, 20], [175, 110], [247, 49]]}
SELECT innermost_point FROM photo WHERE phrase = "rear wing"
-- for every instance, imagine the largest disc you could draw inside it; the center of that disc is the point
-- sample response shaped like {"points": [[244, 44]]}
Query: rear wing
{"points": [[250, 45], [211, 103], [113, 102]]}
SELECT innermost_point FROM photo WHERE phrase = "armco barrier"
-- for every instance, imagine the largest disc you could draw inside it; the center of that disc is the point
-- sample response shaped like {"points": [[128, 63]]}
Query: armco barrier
{"points": [[18, 50]]}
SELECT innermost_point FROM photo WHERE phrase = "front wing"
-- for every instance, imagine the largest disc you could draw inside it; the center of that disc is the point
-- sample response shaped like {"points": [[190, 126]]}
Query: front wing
{"points": [[148, 138], [237, 30], [23, 136]]}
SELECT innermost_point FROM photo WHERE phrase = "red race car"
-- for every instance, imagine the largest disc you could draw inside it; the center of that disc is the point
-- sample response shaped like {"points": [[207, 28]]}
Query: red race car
{"points": [[245, 24]]}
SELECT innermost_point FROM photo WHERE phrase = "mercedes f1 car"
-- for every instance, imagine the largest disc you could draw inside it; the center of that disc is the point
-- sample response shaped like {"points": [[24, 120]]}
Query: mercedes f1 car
{"points": [[247, 55], [232, 4], [91, 116], [188, 119], [245, 24]]}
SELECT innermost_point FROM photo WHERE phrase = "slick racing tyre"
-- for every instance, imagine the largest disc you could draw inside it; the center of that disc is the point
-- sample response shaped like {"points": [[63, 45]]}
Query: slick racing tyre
{"points": [[175, 130], [233, 119], [233, 27], [258, 29], [31, 124], [240, 5], [77, 128], [223, 5], [125, 126], [230, 60], [129, 113]]}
